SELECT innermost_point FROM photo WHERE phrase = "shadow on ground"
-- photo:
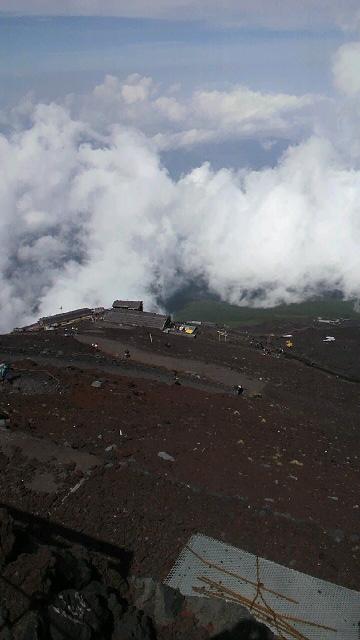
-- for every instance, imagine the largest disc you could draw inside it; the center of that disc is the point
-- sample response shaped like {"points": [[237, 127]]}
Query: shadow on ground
{"points": [[246, 630]]}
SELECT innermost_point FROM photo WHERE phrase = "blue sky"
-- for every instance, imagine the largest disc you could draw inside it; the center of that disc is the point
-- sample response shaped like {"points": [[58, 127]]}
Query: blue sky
{"points": [[54, 56], [58, 55]]}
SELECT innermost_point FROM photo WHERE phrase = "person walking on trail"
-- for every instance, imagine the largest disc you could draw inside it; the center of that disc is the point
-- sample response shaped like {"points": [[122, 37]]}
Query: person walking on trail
{"points": [[4, 369], [238, 389], [6, 373]]}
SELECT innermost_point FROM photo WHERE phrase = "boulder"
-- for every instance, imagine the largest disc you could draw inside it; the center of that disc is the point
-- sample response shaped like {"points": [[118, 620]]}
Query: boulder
{"points": [[216, 615], [78, 615], [111, 573], [134, 625], [27, 581], [30, 627], [5, 633], [73, 568], [157, 600], [7, 536], [247, 630]]}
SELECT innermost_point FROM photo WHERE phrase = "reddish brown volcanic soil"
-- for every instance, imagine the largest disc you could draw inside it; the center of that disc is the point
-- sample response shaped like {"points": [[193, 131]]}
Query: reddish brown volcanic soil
{"points": [[277, 475]]}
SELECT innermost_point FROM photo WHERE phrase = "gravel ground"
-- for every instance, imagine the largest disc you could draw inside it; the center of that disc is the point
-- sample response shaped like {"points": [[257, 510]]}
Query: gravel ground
{"points": [[277, 475]]}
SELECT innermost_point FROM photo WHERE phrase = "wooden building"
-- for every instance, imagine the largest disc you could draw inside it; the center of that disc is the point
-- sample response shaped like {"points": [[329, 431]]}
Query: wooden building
{"points": [[137, 318], [132, 305]]}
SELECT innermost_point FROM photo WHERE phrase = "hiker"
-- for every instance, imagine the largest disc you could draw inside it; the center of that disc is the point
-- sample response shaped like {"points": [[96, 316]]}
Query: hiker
{"points": [[4, 369], [238, 389], [6, 374], [176, 378], [127, 353]]}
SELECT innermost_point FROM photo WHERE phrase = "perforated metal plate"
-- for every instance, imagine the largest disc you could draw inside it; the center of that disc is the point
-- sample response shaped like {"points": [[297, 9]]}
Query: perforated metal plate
{"points": [[316, 601]]}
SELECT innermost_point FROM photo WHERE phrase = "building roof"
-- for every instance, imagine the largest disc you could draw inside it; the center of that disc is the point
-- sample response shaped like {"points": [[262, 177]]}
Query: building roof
{"points": [[137, 318], [136, 305], [58, 318]]}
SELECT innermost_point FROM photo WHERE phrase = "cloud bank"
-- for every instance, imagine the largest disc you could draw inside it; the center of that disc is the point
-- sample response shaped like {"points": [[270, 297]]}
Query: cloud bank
{"points": [[88, 212], [346, 68], [175, 121]]}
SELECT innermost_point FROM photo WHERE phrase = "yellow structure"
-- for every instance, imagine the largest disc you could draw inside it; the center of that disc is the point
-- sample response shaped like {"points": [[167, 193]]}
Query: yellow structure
{"points": [[187, 328]]}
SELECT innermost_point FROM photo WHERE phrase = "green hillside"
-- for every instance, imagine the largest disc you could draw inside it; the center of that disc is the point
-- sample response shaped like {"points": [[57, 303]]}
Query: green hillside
{"points": [[232, 315]]}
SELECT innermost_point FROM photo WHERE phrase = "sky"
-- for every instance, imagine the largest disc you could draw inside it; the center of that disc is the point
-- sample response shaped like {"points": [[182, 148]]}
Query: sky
{"points": [[54, 56], [291, 14], [159, 143]]}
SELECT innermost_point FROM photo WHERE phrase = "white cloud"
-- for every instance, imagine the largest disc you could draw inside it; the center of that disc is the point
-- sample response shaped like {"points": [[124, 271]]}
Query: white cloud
{"points": [[241, 104], [346, 68], [86, 206], [283, 230], [171, 109], [176, 122], [83, 216], [137, 89]]}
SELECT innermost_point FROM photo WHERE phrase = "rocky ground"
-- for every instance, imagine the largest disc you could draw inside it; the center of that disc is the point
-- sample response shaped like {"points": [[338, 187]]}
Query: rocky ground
{"points": [[56, 585], [112, 449]]}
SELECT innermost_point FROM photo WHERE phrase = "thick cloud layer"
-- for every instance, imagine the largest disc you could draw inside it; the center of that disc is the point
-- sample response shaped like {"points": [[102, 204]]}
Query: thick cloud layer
{"points": [[86, 217]]}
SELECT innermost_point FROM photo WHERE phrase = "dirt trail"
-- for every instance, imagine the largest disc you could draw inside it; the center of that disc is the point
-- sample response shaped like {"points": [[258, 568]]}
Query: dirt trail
{"points": [[124, 368], [45, 451], [47, 467], [223, 375]]}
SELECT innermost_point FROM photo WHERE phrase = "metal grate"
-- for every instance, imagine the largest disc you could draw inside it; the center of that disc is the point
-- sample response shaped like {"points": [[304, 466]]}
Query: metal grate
{"points": [[210, 567]]}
